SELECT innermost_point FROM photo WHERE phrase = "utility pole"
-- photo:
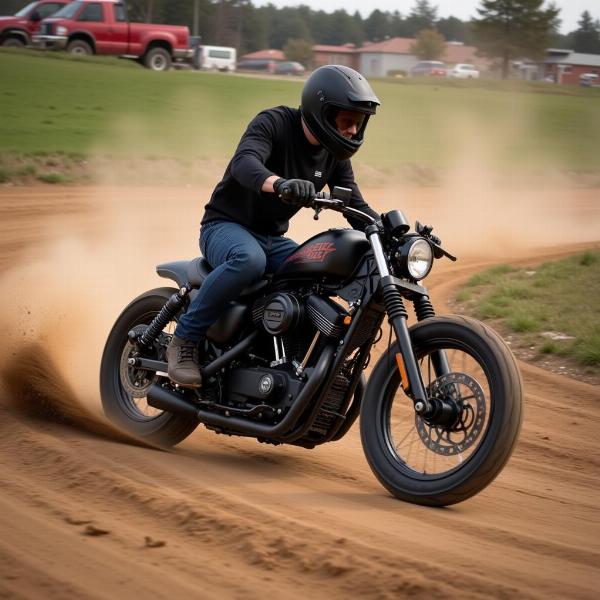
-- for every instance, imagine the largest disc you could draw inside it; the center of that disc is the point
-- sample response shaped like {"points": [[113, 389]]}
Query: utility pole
{"points": [[196, 17]]}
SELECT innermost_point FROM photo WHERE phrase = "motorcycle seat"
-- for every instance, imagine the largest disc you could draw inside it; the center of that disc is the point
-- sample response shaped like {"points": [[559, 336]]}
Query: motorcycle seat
{"points": [[195, 272]]}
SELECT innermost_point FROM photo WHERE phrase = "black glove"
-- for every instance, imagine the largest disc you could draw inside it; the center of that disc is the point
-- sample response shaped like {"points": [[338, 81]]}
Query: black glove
{"points": [[297, 192]]}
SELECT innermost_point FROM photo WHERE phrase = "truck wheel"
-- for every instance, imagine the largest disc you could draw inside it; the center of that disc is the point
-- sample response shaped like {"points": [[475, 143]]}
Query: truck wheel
{"points": [[80, 48], [13, 42], [157, 59]]}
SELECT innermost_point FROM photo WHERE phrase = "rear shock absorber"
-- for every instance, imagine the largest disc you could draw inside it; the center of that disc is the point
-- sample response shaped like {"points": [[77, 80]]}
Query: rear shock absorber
{"points": [[166, 314]]}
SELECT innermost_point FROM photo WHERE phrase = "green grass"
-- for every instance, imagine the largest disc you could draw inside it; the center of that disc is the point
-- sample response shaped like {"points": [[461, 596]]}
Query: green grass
{"points": [[52, 104], [558, 296]]}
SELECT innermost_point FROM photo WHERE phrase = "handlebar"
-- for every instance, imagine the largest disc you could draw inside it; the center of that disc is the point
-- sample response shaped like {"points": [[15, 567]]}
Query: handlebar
{"points": [[339, 204]]}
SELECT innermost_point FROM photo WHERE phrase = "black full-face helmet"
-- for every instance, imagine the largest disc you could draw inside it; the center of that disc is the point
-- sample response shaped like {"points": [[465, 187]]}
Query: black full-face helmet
{"points": [[329, 89]]}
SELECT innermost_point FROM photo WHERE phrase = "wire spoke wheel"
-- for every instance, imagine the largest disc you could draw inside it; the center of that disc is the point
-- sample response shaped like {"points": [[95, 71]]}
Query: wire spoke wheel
{"points": [[136, 382], [465, 443], [429, 448], [124, 388]]}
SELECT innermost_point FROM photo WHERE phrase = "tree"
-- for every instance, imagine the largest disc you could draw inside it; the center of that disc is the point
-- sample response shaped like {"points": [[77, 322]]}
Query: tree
{"points": [[512, 29], [429, 45], [299, 50], [587, 37], [377, 26], [454, 30], [422, 16]]}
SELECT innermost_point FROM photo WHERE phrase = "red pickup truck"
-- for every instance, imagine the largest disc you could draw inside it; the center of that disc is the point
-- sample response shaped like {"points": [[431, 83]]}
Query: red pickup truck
{"points": [[101, 27], [16, 31]]}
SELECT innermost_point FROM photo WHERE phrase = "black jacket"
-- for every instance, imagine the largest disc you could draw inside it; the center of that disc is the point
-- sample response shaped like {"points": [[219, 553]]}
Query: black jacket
{"points": [[274, 144]]}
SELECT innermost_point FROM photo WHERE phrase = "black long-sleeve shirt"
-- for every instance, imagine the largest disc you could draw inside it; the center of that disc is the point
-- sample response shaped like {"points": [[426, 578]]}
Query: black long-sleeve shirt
{"points": [[274, 144]]}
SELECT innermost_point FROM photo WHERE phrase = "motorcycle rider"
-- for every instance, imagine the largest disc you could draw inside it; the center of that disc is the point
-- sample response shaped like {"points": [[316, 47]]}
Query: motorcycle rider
{"points": [[242, 231]]}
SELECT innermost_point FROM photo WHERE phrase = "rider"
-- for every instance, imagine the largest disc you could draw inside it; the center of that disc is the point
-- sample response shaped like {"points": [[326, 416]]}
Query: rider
{"points": [[242, 233]]}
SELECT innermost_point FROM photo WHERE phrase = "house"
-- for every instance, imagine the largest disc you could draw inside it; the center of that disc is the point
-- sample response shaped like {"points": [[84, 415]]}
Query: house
{"points": [[268, 54], [335, 55], [380, 59], [566, 66]]}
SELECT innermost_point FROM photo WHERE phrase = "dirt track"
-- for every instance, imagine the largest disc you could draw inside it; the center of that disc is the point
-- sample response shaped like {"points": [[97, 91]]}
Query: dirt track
{"points": [[227, 517]]}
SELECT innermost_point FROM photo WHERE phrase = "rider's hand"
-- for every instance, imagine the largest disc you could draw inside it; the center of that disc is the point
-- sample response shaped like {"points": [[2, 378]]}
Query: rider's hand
{"points": [[298, 192]]}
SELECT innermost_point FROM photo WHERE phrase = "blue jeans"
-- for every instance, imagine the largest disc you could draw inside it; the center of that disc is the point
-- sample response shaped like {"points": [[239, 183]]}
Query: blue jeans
{"points": [[239, 258]]}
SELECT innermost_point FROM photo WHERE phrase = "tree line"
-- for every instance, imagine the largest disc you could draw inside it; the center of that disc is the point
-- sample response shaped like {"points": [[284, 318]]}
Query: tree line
{"points": [[502, 29]]}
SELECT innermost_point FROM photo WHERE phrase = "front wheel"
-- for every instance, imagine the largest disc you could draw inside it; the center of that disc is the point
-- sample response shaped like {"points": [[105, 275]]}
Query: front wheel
{"points": [[123, 388], [432, 463], [79, 48], [13, 42]]}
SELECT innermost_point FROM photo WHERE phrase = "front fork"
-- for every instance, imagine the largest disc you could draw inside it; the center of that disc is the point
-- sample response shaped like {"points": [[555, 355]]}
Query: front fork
{"points": [[410, 373]]}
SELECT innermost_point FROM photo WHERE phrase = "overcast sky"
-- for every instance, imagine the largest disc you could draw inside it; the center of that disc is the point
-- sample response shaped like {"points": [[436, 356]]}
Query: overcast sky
{"points": [[463, 9]]}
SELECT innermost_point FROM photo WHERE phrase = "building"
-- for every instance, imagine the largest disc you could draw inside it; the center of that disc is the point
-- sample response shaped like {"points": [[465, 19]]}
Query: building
{"points": [[268, 54], [566, 66], [379, 59], [394, 55], [335, 55]]}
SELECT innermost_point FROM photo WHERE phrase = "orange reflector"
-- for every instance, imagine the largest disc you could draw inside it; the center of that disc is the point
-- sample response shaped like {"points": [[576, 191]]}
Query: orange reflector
{"points": [[347, 320], [402, 370]]}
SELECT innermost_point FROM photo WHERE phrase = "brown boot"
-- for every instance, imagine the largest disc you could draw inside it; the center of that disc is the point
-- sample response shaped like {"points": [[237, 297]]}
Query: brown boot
{"points": [[182, 356]]}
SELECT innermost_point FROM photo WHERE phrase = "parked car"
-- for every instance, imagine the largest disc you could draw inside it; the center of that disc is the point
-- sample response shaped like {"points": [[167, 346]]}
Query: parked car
{"points": [[464, 71], [289, 68], [102, 27], [217, 58], [264, 65], [432, 68], [17, 31], [589, 80]]}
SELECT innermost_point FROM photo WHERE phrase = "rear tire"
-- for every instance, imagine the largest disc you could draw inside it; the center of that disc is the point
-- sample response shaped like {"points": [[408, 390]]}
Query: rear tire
{"points": [[80, 48], [430, 464], [129, 413], [157, 59]]}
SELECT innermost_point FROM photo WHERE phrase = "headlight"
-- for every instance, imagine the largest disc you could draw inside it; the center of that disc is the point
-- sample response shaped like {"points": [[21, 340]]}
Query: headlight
{"points": [[415, 258], [60, 30]]}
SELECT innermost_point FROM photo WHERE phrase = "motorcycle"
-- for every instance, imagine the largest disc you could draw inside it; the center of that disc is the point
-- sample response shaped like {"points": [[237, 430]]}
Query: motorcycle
{"points": [[439, 415]]}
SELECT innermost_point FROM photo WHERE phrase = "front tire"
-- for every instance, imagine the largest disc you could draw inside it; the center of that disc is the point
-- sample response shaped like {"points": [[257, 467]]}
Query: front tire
{"points": [[425, 463], [13, 42], [79, 48], [122, 389]]}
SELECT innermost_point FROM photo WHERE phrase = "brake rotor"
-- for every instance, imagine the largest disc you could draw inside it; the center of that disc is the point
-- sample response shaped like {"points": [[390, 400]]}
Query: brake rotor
{"points": [[469, 399]]}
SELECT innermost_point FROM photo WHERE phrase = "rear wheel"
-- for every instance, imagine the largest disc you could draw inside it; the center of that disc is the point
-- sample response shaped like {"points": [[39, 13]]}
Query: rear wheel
{"points": [[443, 462], [123, 388], [157, 59], [79, 48]]}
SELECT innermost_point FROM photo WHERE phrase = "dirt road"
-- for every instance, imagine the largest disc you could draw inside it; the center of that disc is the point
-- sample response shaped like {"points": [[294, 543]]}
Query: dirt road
{"points": [[84, 514]]}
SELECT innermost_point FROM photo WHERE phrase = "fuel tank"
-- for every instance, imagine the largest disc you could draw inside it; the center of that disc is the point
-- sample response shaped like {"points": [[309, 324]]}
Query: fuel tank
{"points": [[334, 254]]}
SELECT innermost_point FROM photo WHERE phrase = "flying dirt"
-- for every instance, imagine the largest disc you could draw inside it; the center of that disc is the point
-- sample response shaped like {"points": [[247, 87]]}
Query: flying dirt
{"points": [[86, 512]]}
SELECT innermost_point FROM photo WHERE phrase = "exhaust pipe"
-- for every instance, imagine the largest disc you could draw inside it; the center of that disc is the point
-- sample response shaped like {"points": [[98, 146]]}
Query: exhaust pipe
{"points": [[170, 400]]}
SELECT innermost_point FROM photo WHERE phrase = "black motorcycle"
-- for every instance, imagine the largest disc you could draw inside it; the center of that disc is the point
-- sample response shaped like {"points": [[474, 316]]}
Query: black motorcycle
{"points": [[439, 415]]}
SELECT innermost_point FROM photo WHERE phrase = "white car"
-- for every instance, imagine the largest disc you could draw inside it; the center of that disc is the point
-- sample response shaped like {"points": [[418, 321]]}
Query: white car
{"points": [[464, 71]]}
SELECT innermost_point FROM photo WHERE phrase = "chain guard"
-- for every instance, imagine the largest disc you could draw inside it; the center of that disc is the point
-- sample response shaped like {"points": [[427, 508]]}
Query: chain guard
{"points": [[450, 441]]}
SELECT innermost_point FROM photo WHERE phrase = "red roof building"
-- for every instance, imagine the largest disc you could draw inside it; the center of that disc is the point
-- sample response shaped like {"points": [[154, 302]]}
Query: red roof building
{"points": [[268, 54]]}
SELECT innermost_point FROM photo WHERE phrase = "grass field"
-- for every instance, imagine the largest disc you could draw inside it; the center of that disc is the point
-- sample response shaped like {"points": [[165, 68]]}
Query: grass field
{"points": [[554, 307], [76, 108]]}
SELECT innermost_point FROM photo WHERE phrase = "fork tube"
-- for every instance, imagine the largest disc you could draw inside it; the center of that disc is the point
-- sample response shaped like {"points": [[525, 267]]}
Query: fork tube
{"points": [[397, 317]]}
